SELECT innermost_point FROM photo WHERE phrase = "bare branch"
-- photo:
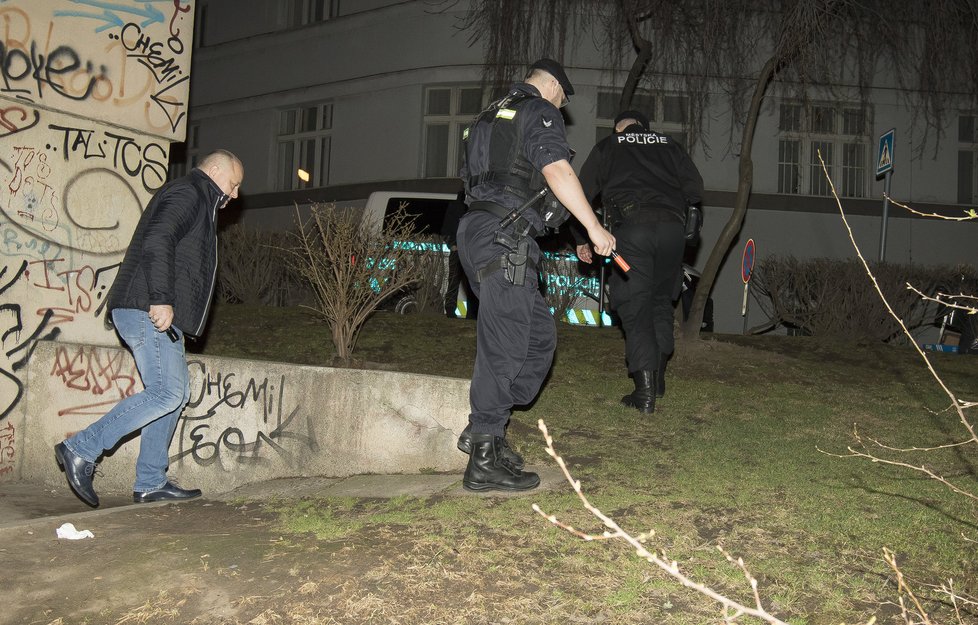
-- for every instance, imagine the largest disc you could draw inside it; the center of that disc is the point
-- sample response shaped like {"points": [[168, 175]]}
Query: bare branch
{"points": [[904, 589], [969, 214], [732, 610], [958, 405]]}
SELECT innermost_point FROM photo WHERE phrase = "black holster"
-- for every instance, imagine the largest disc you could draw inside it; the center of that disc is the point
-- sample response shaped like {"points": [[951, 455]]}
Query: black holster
{"points": [[514, 262]]}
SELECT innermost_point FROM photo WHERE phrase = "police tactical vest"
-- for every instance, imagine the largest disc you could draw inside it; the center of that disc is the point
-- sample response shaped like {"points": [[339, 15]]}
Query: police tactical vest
{"points": [[494, 149]]}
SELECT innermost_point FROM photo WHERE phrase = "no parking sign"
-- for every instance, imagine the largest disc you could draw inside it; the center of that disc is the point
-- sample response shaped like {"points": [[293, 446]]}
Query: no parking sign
{"points": [[747, 263]]}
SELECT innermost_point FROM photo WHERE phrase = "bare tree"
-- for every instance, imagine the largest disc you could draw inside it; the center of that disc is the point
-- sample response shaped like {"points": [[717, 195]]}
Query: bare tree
{"points": [[740, 49], [353, 264]]}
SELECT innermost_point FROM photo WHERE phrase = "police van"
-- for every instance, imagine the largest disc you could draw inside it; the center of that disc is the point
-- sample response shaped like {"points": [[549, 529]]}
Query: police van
{"points": [[570, 287]]}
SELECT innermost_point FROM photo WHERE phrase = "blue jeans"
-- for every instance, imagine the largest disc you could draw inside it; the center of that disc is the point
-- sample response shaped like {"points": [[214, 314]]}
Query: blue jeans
{"points": [[162, 367]]}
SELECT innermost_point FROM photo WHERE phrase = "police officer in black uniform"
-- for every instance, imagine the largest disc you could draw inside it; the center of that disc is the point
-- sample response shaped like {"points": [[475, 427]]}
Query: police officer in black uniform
{"points": [[514, 151], [646, 182]]}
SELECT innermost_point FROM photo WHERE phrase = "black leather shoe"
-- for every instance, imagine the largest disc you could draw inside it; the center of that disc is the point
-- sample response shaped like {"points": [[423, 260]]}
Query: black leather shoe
{"points": [[79, 473], [169, 492], [487, 470], [465, 446]]}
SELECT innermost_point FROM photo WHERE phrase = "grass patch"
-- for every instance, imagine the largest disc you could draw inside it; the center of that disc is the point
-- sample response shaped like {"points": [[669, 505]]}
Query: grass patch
{"points": [[730, 457]]}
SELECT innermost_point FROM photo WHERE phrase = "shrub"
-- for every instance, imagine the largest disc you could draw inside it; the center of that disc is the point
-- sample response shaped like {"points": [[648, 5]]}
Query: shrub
{"points": [[432, 270], [353, 265], [253, 268], [833, 298]]}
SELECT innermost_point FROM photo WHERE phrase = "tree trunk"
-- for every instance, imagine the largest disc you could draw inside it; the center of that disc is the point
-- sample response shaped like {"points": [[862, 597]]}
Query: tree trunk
{"points": [[643, 48], [691, 327]]}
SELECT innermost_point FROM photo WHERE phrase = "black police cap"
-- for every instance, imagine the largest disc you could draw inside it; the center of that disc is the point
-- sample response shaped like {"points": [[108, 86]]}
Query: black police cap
{"points": [[553, 68], [636, 115]]}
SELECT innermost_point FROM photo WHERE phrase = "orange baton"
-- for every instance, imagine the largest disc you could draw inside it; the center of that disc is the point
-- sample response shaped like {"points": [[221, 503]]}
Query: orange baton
{"points": [[615, 256]]}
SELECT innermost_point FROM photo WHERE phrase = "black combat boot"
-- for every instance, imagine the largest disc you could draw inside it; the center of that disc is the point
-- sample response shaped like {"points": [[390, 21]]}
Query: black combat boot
{"points": [[643, 397], [660, 378], [488, 469], [465, 446]]}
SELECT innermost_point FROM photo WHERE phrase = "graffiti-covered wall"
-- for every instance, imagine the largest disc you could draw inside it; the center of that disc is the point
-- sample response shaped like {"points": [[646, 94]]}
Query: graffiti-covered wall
{"points": [[91, 95], [248, 421]]}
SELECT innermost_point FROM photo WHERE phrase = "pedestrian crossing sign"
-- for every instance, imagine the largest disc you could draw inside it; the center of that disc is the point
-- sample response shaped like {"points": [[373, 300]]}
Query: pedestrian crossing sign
{"points": [[885, 162]]}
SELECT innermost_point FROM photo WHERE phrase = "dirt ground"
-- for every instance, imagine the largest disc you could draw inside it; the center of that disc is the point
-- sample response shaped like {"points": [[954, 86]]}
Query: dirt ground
{"points": [[227, 562]]}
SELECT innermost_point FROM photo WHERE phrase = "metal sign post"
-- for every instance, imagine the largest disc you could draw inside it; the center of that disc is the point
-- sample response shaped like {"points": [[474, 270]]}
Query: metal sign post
{"points": [[884, 166], [746, 271]]}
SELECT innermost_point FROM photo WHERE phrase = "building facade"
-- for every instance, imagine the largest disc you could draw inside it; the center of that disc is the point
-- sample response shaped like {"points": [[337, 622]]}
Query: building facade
{"points": [[372, 95]]}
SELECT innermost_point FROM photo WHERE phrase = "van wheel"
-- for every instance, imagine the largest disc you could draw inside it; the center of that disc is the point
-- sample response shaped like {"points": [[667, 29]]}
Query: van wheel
{"points": [[407, 305]]}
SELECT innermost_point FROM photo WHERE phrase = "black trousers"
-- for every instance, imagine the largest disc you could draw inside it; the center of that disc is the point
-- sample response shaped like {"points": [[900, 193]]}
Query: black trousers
{"points": [[515, 331], [643, 297]]}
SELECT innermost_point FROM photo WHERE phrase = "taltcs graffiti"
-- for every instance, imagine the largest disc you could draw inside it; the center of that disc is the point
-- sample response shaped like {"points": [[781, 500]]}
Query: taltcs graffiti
{"points": [[146, 161], [225, 393], [96, 372], [8, 449], [81, 186]]}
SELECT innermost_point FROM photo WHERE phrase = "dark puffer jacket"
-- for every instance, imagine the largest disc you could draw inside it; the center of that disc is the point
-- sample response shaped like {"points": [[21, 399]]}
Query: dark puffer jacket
{"points": [[172, 258]]}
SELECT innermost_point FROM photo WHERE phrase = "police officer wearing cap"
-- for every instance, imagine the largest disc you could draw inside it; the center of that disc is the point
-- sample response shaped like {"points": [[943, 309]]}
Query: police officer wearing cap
{"points": [[646, 182], [514, 151]]}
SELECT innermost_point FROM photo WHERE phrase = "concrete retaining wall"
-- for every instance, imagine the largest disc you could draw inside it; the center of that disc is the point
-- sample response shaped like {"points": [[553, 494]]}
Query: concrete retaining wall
{"points": [[247, 421]]}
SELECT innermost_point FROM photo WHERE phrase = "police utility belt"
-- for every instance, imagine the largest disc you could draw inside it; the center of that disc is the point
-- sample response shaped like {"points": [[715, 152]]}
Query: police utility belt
{"points": [[516, 260], [692, 219]]}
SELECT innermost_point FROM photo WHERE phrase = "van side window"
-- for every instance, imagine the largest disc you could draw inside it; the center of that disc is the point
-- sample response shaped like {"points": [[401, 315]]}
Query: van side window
{"points": [[428, 215]]}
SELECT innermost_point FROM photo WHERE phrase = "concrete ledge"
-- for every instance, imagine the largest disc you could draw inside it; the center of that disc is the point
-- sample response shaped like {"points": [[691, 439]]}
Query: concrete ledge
{"points": [[247, 421]]}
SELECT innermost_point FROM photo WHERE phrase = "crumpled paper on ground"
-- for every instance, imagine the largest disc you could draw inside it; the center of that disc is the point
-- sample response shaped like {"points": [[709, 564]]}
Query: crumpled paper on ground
{"points": [[68, 531]]}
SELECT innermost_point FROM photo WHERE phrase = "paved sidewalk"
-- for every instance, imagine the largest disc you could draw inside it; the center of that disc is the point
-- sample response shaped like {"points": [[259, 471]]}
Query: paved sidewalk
{"points": [[26, 504]]}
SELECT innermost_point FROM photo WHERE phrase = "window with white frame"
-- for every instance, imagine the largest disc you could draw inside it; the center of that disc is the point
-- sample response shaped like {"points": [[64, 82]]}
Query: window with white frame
{"points": [[967, 161], [306, 12], [448, 111], [839, 133], [667, 113], [184, 155], [304, 147]]}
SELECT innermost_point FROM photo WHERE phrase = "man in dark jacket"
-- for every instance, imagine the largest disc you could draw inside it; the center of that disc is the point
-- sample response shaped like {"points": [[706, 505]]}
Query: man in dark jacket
{"points": [[162, 292], [646, 181]]}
